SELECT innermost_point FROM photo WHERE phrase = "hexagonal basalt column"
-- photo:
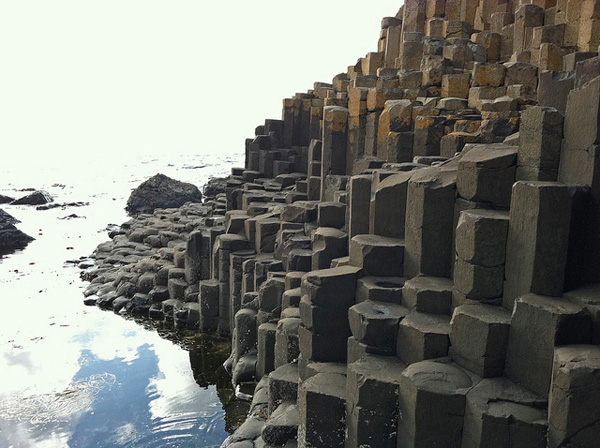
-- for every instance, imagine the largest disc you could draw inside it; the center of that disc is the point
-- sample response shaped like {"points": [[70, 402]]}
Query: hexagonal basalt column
{"points": [[376, 323], [431, 401], [378, 255]]}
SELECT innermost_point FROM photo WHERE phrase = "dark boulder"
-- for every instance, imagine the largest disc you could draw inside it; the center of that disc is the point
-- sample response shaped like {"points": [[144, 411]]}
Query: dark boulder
{"points": [[214, 186], [161, 191], [5, 199], [38, 197], [63, 205], [11, 238]]}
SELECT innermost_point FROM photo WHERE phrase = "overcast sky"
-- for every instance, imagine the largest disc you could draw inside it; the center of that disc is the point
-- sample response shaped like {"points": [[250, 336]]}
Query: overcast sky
{"points": [[184, 76]]}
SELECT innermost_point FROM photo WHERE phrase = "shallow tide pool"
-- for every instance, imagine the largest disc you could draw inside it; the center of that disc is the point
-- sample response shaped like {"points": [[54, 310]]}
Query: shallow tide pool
{"points": [[76, 376]]}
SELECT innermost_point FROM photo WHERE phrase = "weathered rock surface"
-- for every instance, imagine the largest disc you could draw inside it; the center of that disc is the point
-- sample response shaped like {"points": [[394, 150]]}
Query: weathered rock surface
{"points": [[11, 238], [161, 191], [5, 199], [36, 198]]}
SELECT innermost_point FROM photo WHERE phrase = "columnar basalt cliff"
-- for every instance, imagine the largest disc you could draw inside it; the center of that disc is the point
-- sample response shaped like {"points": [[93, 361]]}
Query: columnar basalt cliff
{"points": [[411, 255]]}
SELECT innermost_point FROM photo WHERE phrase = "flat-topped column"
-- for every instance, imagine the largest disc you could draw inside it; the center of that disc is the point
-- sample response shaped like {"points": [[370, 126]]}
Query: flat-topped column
{"points": [[538, 234]]}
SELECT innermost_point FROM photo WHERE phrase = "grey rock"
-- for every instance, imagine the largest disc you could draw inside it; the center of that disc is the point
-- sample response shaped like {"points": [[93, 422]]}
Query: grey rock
{"points": [[11, 238], [573, 413], [5, 199], [161, 191], [36, 198]]}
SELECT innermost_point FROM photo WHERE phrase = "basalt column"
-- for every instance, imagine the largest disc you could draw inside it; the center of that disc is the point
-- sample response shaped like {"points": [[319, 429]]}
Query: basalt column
{"points": [[334, 146]]}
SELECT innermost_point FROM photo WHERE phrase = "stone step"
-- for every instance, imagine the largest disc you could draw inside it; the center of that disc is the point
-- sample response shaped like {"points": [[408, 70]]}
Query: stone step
{"points": [[291, 298], [327, 244], [308, 368], [356, 350], [376, 323], [517, 414], [372, 401], [431, 402], [380, 289], [426, 294], [282, 424], [322, 410], [478, 337], [290, 312], [331, 214], [423, 336], [282, 385], [293, 279], [378, 255]]}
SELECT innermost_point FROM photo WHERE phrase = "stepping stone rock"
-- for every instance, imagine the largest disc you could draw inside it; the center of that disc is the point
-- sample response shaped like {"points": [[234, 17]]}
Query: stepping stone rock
{"points": [[423, 336], [378, 255], [425, 294], [431, 402], [376, 323], [478, 338], [502, 414], [379, 289]]}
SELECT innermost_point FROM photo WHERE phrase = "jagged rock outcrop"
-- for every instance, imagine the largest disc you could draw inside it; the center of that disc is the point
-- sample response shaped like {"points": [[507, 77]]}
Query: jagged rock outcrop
{"points": [[39, 197], [5, 199], [11, 238]]}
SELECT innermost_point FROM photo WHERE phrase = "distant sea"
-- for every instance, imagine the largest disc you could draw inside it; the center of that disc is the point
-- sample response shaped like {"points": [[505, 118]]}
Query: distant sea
{"points": [[76, 376]]}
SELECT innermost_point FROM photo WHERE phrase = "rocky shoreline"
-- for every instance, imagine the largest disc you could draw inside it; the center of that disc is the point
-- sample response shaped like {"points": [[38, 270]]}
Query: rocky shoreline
{"points": [[11, 238], [410, 257]]}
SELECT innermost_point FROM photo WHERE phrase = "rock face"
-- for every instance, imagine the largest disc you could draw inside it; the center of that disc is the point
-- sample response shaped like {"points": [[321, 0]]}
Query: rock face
{"points": [[161, 191], [11, 238], [36, 198]]}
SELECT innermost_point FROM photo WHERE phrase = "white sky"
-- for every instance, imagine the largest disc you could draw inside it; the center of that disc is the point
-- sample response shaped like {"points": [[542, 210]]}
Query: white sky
{"points": [[153, 76]]}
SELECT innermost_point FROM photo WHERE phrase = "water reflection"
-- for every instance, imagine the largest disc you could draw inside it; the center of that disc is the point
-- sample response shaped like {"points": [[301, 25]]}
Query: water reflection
{"points": [[75, 376], [170, 391], [72, 376]]}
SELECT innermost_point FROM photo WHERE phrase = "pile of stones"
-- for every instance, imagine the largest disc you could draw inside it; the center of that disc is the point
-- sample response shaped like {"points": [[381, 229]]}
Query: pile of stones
{"points": [[411, 255]]}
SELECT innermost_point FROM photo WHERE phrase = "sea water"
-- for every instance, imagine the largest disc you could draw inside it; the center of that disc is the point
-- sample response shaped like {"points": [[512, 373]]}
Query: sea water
{"points": [[76, 376]]}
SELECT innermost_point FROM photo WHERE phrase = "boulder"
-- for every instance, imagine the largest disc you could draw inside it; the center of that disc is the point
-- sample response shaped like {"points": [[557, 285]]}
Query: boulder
{"points": [[214, 186], [38, 197], [11, 238], [161, 191], [5, 199]]}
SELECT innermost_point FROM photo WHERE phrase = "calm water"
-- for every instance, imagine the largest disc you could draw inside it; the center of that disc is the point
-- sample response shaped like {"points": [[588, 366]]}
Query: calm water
{"points": [[76, 376]]}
